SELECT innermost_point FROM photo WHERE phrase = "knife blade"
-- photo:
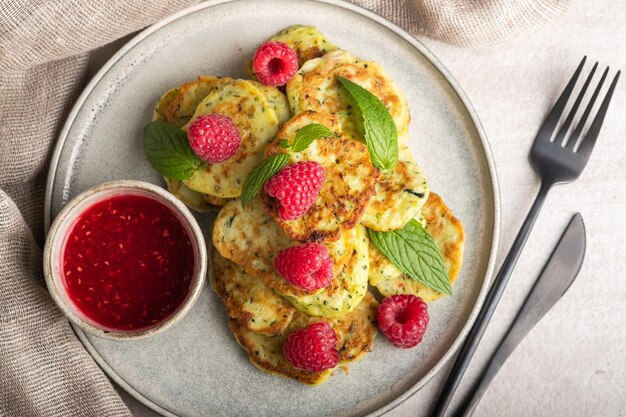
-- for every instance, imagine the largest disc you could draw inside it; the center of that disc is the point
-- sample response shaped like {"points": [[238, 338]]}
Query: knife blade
{"points": [[557, 276]]}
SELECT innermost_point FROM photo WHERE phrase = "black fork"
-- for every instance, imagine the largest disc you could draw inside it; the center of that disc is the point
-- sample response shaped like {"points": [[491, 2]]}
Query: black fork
{"points": [[557, 160]]}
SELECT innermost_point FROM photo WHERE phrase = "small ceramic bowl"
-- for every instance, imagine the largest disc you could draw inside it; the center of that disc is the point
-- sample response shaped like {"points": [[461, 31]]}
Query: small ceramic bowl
{"points": [[55, 241]]}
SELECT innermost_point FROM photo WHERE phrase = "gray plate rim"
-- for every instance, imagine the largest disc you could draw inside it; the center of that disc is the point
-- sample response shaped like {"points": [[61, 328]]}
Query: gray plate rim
{"points": [[398, 31]]}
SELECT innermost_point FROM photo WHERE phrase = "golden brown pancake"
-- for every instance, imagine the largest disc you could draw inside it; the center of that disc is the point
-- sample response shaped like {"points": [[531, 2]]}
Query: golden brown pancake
{"points": [[247, 299], [347, 190], [400, 194], [349, 284], [315, 87], [257, 123], [446, 230], [251, 239], [306, 41], [192, 199], [160, 109], [276, 99], [189, 96], [215, 201], [356, 332]]}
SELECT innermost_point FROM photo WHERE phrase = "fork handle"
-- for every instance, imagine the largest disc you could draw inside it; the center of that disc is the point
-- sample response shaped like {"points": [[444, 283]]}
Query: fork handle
{"points": [[491, 301], [519, 329]]}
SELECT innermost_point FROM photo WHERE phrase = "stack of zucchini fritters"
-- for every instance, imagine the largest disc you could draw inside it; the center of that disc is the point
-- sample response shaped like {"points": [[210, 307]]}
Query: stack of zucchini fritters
{"points": [[264, 307]]}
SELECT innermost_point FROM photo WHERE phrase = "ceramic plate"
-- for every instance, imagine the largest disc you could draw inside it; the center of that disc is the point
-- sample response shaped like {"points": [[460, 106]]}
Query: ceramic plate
{"points": [[196, 368]]}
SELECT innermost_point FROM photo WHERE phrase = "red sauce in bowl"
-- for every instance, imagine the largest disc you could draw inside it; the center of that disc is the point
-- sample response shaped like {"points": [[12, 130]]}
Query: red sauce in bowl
{"points": [[128, 262]]}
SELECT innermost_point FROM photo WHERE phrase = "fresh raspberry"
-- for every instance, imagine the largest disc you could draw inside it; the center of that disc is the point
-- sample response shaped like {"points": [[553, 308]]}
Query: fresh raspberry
{"points": [[312, 349], [403, 320], [305, 266], [275, 63], [296, 187], [214, 138]]}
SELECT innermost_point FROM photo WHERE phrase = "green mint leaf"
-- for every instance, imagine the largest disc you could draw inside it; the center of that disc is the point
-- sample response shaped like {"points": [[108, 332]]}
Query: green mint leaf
{"points": [[168, 150], [260, 174], [414, 251], [379, 129], [284, 143], [306, 135]]}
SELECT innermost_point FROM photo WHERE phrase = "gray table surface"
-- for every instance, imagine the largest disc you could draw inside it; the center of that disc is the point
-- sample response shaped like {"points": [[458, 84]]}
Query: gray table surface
{"points": [[574, 362]]}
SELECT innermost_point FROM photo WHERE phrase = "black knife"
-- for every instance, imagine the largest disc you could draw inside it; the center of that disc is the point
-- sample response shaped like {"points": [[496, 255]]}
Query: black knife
{"points": [[557, 276]]}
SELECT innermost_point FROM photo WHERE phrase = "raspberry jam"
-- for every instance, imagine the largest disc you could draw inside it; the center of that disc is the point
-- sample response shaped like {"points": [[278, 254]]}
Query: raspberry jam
{"points": [[128, 262]]}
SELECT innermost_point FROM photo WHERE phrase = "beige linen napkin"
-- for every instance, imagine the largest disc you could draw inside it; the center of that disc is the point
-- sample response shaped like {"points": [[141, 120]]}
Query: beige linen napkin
{"points": [[44, 370]]}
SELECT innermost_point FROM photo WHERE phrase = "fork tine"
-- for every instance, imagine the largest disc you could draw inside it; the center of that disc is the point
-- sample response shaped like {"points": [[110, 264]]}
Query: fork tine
{"points": [[545, 132], [572, 113], [581, 124], [592, 134]]}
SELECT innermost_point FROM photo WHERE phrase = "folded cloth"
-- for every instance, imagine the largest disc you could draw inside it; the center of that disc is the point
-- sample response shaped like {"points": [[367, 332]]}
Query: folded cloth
{"points": [[44, 370], [469, 22]]}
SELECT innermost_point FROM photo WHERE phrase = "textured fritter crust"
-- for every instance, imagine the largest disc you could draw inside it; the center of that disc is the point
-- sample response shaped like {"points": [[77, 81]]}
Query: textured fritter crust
{"points": [[252, 304], [355, 333], [349, 285], [257, 124], [400, 194], [276, 99], [315, 87], [160, 109], [192, 199], [348, 188], [189, 95], [356, 330], [266, 353], [251, 239], [215, 201], [189, 197], [448, 233], [306, 41]]}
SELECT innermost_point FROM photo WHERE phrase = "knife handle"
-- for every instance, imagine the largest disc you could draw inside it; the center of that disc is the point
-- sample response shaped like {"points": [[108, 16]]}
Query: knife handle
{"points": [[523, 323], [545, 293], [486, 312]]}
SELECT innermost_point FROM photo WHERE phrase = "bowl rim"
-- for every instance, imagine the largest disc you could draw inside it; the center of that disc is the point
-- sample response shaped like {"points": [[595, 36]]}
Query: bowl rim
{"points": [[70, 211]]}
